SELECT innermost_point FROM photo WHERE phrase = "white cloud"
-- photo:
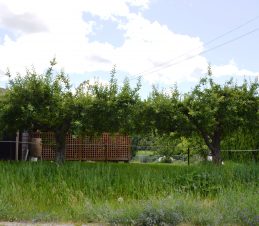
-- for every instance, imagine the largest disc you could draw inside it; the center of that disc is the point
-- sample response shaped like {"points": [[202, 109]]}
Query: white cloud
{"points": [[65, 38], [45, 29], [231, 69], [140, 3], [25, 22], [148, 45]]}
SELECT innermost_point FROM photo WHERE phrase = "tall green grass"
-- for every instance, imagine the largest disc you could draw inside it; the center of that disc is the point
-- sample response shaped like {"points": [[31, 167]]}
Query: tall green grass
{"points": [[113, 192]]}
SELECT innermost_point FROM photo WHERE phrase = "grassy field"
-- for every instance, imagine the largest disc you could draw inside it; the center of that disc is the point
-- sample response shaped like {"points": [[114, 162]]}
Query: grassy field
{"points": [[139, 194]]}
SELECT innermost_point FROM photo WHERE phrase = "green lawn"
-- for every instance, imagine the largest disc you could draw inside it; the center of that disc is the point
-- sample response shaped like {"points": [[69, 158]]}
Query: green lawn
{"points": [[143, 194], [147, 153]]}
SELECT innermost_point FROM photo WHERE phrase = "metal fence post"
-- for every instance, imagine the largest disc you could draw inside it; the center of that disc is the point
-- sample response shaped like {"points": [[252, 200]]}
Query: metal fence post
{"points": [[17, 146], [188, 151]]}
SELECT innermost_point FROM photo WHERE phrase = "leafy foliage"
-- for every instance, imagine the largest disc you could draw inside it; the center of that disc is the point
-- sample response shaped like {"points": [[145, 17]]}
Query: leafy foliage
{"points": [[210, 114], [107, 108], [40, 102], [36, 101], [210, 111], [215, 111], [241, 139]]}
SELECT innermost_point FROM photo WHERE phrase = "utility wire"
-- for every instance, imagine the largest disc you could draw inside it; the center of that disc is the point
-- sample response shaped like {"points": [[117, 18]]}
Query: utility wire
{"points": [[205, 44], [206, 51], [232, 30]]}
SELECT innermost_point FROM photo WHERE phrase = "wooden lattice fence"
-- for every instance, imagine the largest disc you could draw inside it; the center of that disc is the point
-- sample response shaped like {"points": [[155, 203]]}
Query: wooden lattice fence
{"points": [[104, 148]]}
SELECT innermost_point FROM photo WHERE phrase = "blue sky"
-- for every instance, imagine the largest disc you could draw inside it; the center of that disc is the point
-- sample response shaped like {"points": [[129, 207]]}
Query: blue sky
{"points": [[208, 19], [152, 38]]}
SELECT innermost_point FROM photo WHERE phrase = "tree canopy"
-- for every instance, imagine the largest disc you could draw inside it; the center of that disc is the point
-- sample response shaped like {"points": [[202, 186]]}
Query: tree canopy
{"points": [[42, 102], [46, 102], [217, 110], [107, 107], [210, 111]]}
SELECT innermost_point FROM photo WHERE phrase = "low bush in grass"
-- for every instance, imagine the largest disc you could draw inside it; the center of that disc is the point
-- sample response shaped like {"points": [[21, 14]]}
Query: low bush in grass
{"points": [[229, 208]]}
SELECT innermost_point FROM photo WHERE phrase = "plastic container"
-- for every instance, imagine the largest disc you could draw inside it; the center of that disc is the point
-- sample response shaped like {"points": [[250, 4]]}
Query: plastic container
{"points": [[36, 147]]}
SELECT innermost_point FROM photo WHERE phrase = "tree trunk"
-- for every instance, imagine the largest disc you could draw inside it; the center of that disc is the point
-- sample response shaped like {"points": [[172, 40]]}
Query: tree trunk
{"points": [[213, 144], [216, 158], [60, 146]]}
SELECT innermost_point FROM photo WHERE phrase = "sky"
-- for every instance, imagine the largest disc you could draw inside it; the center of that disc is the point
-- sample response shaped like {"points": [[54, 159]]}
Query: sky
{"points": [[166, 42]]}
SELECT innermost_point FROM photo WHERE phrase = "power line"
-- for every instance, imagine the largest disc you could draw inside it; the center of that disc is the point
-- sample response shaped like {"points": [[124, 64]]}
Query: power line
{"points": [[205, 44], [209, 42], [232, 30], [206, 51]]}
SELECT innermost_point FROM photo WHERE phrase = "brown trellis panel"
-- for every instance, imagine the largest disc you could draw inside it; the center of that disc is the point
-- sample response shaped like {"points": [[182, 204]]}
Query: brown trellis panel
{"points": [[104, 148]]}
